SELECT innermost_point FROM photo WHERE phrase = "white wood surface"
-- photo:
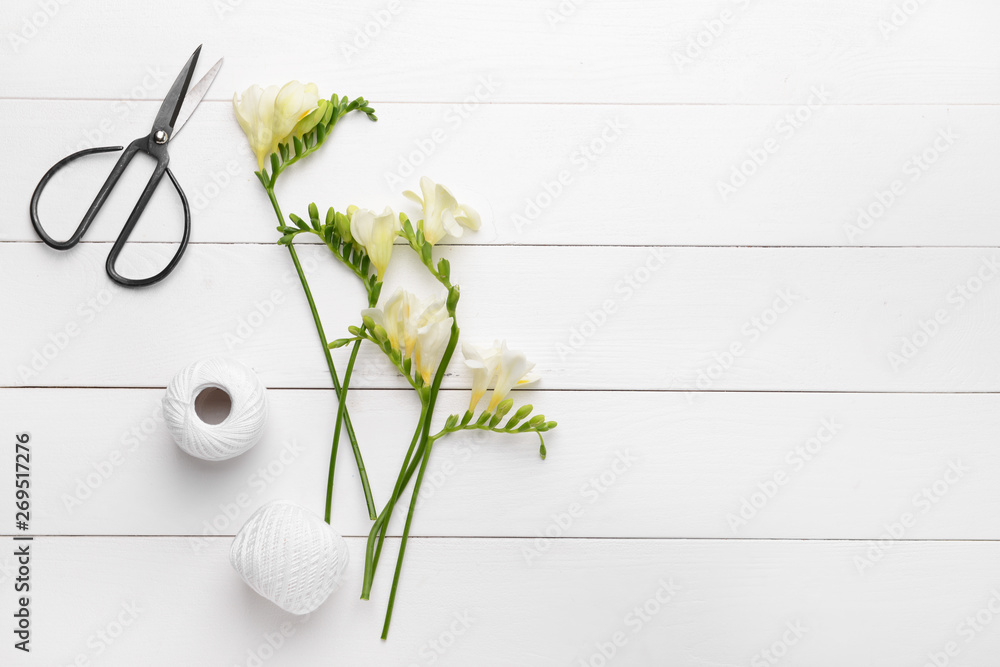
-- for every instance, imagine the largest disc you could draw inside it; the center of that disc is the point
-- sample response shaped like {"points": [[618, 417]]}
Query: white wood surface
{"points": [[655, 465], [770, 490], [501, 158], [732, 600], [605, 51], [583, 314]]}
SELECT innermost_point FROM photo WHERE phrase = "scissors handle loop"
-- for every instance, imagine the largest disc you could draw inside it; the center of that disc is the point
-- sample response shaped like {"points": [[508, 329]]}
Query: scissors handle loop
{"points": [[139, 145]]}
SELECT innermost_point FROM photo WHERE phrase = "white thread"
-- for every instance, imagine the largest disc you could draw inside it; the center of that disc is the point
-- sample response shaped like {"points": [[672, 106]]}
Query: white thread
{"points": [[290, 556], [238, 432]]}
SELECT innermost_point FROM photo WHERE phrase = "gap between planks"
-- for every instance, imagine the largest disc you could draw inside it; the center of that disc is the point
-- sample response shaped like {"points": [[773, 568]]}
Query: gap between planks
{"points": [[536, 103], [551, 390], [562, 538], [571, 245]]}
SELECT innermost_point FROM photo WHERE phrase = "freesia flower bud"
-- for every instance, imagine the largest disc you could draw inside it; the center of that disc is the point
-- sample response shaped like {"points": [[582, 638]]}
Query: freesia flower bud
{"points": [[521, 413], [311, 120], [505, 406], [343, 226], [502, 409], [453, 295]]}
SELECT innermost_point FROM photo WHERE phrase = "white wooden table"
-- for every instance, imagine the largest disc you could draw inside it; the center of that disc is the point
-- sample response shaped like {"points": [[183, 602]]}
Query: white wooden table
{"points": [[752, 246]]}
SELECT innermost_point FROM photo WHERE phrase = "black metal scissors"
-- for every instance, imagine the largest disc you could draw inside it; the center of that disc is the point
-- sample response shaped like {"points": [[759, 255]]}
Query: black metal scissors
{"points": [[176, 109]]}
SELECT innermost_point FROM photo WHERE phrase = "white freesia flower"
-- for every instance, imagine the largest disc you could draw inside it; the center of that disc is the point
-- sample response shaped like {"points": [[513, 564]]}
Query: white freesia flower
{"points": [[270, 116], [294, 103], [420, 330], [427, 332], [411, 309], [376, 234], [432, 339], [443, 215], [515, 369], [255, 112], [484, 362]]}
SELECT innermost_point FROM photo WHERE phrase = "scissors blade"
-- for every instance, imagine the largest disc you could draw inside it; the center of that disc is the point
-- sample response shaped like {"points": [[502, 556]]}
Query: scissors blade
{"points": [[167, 114], [195, 96]]}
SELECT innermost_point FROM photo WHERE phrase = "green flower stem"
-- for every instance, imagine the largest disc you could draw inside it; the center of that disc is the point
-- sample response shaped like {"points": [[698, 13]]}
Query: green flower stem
{"points": [[306, 150], [523, 428], [341, 417], [341, 414], [362, 334], [377, 534], [341, 409], [406, 534], [413, 463], [362, 276], [427, 445], [424, 252], [370, 502]]}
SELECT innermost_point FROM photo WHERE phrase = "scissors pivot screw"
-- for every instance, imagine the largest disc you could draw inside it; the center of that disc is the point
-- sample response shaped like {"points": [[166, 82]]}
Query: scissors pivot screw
{"points": [[160, 137]]}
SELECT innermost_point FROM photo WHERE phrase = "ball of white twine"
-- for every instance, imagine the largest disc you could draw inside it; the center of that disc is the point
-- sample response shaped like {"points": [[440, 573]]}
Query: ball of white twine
{"points": [[290, 556], [238, 432]]}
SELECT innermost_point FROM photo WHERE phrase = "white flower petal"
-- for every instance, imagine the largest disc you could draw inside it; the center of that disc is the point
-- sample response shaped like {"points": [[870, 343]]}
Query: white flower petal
{"points": [[467, 217], [361, 226], [394, 317], [427, 188], [383, 235], [530, 378], [443, 198], [292, 103], [450, 225], [431, 343], [254, 111]]}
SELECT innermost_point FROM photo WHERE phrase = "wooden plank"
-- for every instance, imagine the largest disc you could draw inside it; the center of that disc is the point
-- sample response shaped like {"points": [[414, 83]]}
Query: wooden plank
{"points": [[796, 395], [553, 174], [720, 603], [603, 51], [621, 464], [685, 319]]}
